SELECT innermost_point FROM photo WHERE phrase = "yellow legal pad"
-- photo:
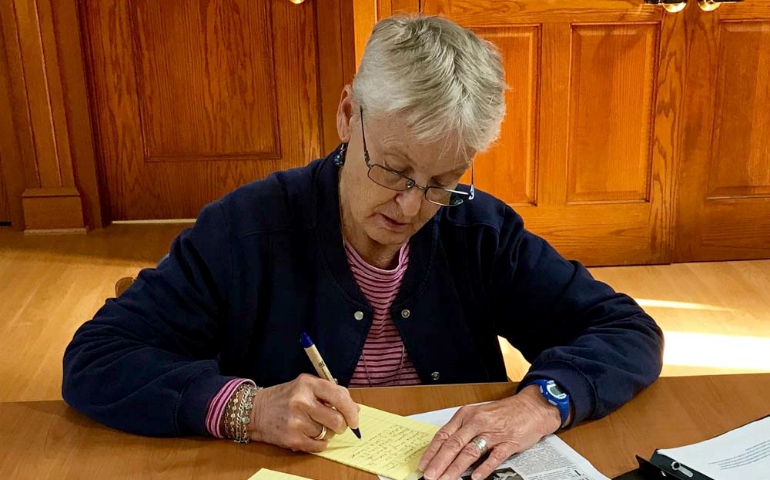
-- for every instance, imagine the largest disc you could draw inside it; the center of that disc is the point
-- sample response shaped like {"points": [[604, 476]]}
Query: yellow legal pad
{"points": [[265, 474], [391, 445]]}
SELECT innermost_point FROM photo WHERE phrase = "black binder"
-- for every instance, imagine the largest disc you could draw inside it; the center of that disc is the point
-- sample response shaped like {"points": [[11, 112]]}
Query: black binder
{"points": [[660, 466]]}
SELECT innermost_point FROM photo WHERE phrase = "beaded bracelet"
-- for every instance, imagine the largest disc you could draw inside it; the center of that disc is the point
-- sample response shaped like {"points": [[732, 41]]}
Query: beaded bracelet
{"points": [[238, 412], [244, 413], [230, 412]]}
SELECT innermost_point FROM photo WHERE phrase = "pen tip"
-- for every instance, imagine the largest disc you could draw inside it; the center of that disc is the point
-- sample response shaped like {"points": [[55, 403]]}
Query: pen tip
{"points": [[357, 432]]}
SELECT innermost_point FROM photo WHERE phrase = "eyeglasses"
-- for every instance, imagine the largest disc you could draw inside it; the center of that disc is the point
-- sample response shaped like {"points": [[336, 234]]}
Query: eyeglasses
{"points": [[393, 180]]}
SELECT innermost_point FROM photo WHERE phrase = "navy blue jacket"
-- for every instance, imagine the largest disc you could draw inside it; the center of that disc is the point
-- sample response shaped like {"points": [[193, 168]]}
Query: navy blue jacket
{"points": [[267, 262]]}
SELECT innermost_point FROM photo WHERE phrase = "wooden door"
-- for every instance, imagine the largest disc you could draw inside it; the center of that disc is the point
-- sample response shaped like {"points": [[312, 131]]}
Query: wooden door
{"points": [[589, 143], [724, 188], [193, 98], [5, 211]]}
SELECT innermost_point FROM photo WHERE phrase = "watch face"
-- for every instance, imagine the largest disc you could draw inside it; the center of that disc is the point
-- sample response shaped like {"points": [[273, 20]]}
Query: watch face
{"points": [[557, 392]]}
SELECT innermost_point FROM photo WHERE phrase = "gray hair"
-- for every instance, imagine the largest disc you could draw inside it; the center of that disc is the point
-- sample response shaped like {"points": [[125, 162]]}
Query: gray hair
{"points": [[442, 77]]}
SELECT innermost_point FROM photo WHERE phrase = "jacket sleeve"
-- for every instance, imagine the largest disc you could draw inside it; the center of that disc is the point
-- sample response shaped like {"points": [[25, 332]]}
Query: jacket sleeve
{"points": [[146, 363], [599, 345]]}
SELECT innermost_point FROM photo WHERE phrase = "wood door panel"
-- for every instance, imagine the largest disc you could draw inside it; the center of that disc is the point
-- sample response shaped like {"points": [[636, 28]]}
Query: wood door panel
{"points": [[741, 150], [195, 98], [601, 100], [611, 99], [752, 10], [118, 134], [723, 209], [586, 235], [510, 169], [743, 233], [198, 70]]}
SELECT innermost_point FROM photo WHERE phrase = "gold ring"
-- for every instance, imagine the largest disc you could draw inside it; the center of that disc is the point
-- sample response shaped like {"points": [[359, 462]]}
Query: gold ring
{"points": [[322, 434]]}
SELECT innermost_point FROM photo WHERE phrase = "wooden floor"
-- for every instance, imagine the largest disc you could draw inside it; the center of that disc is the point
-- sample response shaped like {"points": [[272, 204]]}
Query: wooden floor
{"points": [[716, 315]]}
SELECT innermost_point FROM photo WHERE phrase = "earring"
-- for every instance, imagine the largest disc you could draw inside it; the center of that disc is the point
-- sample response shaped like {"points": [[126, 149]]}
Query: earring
{"points": [[339, 159]]}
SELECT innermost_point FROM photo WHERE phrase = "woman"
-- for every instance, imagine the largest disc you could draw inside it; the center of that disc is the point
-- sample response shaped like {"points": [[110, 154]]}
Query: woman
{"points": [[400, 276]]}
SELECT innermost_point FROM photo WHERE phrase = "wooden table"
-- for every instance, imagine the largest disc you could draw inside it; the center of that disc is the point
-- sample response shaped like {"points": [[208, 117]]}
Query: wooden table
{"points": [[41, 440]]}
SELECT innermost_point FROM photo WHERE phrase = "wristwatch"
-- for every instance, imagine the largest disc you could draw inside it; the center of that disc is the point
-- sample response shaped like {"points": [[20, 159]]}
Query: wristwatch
{"points": [[555, 396]]}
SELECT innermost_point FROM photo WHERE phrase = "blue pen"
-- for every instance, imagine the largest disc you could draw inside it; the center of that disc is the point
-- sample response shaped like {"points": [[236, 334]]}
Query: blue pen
{"points": [[319, 364]]}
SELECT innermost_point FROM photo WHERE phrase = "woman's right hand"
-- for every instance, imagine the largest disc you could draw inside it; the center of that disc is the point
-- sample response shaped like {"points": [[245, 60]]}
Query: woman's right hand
{"points": [[292, 414]]}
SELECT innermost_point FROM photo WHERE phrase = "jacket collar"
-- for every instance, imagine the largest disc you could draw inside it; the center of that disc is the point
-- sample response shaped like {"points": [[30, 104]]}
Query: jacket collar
{"points": [[329, 227]]}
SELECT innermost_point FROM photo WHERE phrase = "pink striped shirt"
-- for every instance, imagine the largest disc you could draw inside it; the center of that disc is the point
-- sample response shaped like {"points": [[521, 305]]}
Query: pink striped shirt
{"points": [[384, 360]]}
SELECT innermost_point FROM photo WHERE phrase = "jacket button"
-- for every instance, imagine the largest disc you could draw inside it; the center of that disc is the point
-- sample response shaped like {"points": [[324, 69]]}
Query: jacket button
{"points": [[435, 376], [359, 315], [405, 313]]}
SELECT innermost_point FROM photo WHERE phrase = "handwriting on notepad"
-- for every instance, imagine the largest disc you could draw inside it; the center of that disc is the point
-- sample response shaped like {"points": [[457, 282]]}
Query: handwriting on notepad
{"points": [[393, 447]]}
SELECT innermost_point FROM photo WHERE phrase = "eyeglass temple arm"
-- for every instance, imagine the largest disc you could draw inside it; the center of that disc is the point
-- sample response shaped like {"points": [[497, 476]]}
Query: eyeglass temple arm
{"points": [[363, 134], [472, 189]]}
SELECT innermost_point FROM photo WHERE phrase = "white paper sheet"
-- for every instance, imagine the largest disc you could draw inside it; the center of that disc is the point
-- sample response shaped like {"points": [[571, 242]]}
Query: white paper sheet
{"points": [[550, 459], [741, 454]]}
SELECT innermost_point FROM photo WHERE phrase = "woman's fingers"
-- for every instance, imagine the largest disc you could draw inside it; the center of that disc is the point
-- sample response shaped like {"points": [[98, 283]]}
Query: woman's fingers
{"points": [[338, 398], [331, 418], [456, 454], [442, 436], [497, 456]]}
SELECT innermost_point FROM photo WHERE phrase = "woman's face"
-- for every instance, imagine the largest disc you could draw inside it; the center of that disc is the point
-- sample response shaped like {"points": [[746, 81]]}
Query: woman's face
{"points": [[386, 216]]}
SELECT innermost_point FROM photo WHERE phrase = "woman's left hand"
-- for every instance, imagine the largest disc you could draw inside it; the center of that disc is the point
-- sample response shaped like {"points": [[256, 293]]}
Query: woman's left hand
{"points": [[508, 426]]}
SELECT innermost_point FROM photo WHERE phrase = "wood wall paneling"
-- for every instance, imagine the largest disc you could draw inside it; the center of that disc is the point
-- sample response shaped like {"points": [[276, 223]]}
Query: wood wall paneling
{"points": [[336, 53], [365, 15], [561, 176], [205, 80], [232, 93], [48, 157], [8, 143], [348, 37], [53, 208], [45, 100], [7, 133], [15, 132], [724, 193], [44, 93], [5, 210], [68, 30]]}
